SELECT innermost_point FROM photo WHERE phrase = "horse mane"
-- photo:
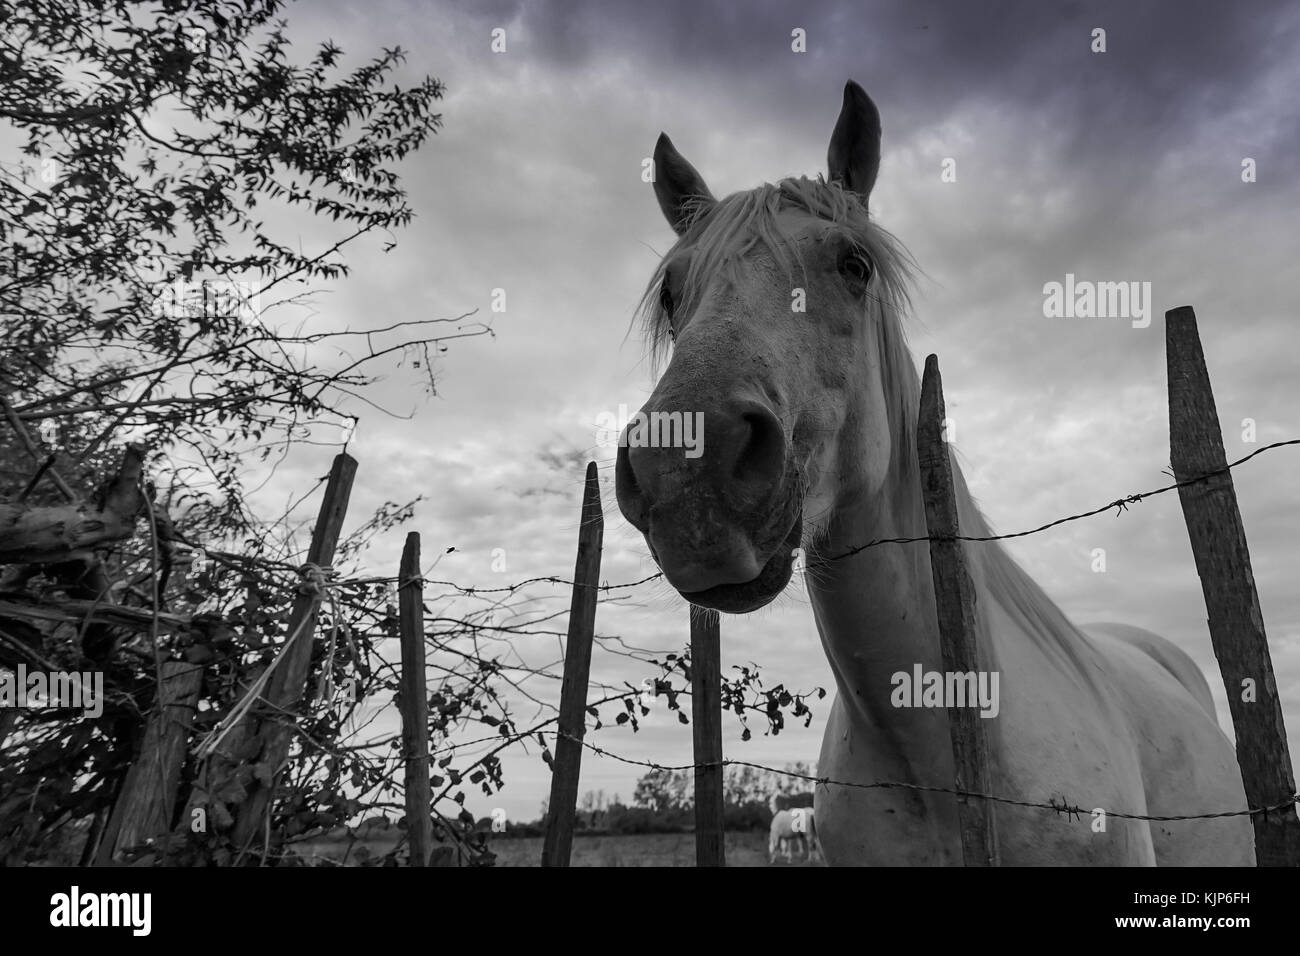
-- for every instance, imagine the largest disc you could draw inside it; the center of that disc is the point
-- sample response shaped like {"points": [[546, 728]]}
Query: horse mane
{"points": [[720, 233]]}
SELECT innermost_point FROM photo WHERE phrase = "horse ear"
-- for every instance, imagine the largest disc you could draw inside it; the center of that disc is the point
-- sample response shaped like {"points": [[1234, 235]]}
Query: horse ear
{"points": [[678, 187], [854, 155]]}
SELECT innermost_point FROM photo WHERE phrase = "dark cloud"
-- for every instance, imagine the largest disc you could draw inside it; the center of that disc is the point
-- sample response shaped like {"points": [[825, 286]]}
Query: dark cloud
{"points": [[1167, 63]]}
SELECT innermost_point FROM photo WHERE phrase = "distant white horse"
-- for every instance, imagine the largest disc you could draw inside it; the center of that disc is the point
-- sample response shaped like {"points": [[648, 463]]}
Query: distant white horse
{"points": [[796, 825]]}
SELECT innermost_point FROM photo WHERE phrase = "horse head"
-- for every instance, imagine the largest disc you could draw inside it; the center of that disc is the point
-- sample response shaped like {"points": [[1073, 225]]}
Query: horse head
{"points": [[772, 300]]}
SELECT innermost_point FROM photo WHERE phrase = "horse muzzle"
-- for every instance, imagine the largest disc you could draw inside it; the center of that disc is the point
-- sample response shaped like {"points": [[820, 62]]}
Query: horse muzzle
{"points": [[722, 524]]}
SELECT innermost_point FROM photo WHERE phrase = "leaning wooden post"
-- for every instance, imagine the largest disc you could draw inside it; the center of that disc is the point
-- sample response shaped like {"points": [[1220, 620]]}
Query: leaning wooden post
{"points": [[1236, 625], [147, 800], [706, 715], [954, 598], [286, 685], [415, 703], [566, 765]]}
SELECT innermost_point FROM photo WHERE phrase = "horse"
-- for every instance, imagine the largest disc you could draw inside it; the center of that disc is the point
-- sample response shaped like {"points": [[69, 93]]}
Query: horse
{"points": [[789, 825], [780, 312], [797, 825], [782, 834]]}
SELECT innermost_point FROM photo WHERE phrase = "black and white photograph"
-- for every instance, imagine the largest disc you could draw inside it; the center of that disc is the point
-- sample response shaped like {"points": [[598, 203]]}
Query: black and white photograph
{"points": [[574, 434]]}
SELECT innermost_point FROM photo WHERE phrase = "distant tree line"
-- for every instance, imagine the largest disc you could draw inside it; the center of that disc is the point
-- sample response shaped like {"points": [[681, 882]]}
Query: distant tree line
{"points": [[663, 801]]}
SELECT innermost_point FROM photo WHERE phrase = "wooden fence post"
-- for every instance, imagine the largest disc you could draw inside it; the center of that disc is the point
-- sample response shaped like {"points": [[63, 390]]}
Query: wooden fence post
{"points": [[286, 685], [145, 804], [706, 715], [1236, 625], [415, 704], [566, 764], [954, 598]]}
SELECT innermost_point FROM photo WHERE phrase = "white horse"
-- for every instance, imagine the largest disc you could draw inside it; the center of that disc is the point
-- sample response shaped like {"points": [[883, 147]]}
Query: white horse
{"points": [[796, 825], [785, 305]]}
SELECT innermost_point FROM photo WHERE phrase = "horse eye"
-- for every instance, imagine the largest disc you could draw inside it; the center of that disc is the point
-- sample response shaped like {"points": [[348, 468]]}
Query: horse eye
{"points": [[856, 266], [666, 299]]}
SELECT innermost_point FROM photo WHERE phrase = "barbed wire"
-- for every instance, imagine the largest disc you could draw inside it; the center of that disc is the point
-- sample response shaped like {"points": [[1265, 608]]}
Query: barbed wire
{"points": [[550, 579], [1070, 810], [1120, 504]]}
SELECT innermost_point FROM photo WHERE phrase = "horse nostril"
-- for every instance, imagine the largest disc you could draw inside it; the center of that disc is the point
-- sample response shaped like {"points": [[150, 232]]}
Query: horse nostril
{"points": [[631, 501], [759, 443]]}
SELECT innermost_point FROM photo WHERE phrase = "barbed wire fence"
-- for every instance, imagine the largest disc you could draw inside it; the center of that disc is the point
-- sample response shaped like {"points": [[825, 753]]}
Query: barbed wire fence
{"points": [[1119, 505], [334, 590], [1063, 806]]}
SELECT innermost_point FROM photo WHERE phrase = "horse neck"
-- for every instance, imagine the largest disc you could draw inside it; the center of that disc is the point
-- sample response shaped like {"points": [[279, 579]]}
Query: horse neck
{"points": [[875, 612]]}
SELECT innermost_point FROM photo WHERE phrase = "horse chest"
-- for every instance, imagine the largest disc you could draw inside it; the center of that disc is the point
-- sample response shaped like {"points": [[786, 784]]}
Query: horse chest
{"points": [[906, 826]]}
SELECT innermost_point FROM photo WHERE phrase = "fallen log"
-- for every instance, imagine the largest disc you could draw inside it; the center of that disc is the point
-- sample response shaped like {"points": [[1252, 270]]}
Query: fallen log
{"points": [[44, 534]]}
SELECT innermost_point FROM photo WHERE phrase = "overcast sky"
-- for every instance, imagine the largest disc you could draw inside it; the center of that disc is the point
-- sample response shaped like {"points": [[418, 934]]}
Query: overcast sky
{"points": [[1117, 166]]}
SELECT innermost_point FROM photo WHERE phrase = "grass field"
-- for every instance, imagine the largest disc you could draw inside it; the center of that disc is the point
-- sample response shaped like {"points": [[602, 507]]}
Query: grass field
{"points": [[747, 848], [651, 849]]}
